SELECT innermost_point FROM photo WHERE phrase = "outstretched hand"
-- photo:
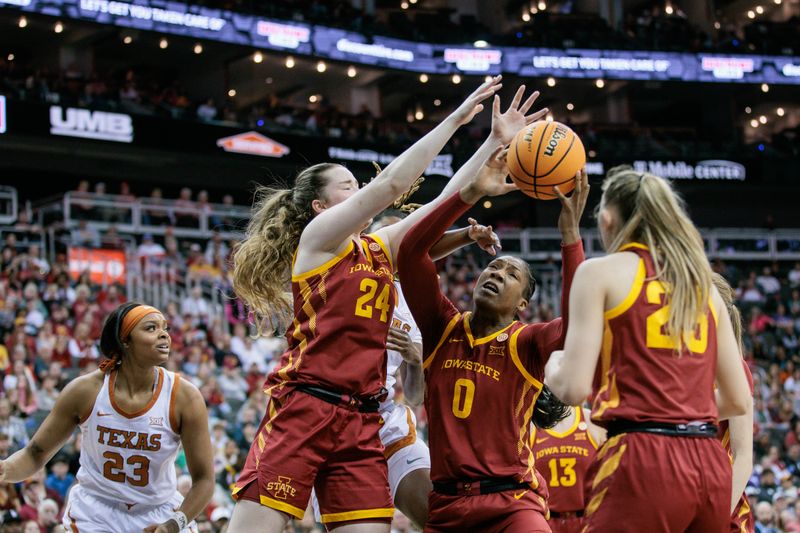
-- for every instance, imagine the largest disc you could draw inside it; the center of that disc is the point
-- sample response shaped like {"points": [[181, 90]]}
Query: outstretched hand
{"points": [[506, 125], [484, 237], [491, 178], [472, 105], [572, 208]]}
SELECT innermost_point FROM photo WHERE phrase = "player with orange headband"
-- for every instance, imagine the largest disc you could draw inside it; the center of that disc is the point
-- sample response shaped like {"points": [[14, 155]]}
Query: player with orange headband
{"points": [[133, 415]]}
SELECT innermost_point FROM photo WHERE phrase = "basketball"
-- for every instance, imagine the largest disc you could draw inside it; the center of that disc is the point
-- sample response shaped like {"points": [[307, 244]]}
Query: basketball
{"points": [[545, 155]]}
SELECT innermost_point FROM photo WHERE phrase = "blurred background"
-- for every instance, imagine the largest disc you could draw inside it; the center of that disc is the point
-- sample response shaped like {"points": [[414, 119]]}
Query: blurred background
{"points": [[132, 133]]}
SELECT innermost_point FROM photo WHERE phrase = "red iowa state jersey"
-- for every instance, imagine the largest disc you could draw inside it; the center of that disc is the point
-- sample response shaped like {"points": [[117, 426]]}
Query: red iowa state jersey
{"points": [[742, 519], [640, 377], [563, 459], [342, 312], [480, 397]]}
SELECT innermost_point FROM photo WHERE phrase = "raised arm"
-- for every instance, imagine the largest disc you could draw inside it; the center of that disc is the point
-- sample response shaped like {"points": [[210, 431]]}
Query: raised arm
{"points": [[329, 231], [569, 373], [69, 408], [504, 127]]}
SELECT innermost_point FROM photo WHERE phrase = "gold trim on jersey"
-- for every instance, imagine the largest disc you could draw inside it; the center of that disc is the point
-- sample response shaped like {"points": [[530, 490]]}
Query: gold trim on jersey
{"points": [[377, 239], [287, 508], [324, 266], [605, 361], [512, 348], [447, 331], [633, 245], [482, 340], [387, 512], [595, 503], [633, 293], [571, 429]]}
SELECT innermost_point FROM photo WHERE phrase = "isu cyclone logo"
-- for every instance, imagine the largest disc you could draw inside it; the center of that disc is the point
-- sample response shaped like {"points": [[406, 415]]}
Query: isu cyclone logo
{"points": [[282, 488]]}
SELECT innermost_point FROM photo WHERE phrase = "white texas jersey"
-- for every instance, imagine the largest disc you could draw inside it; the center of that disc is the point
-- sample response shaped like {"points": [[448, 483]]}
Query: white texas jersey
{"points": [[130, 457], [401, 319]]}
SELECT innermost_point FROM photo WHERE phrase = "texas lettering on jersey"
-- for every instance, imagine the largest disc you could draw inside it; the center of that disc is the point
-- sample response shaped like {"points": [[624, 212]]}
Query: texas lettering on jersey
{"points": [[128, 440]]}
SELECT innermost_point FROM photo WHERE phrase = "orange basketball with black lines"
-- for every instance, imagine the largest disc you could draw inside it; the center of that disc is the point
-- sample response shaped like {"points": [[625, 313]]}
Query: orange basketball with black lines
{"points": [[545, 155]]}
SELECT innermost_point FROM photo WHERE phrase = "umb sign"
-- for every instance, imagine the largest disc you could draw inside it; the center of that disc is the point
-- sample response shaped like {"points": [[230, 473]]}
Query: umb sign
{"points": [[716, 169], [104, 266], [74, 122]]}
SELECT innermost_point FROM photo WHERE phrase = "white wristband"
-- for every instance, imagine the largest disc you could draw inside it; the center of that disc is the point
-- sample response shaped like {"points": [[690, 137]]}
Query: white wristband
{"points": [[180, 519]]}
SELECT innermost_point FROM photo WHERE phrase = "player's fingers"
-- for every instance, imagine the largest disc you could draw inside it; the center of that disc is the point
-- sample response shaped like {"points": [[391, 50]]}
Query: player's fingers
{"points": [[529, 102], [517, 97], [563, 199], [496, 106], [537, 115], [472, 221]]}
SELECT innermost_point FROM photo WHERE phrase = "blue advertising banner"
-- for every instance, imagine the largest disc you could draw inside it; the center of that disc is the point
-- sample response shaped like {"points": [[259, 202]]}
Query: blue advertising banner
{"points": [[341, 45]]}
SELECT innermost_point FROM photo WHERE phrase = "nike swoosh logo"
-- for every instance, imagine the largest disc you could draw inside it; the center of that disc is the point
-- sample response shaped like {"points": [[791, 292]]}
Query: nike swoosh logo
{"points": [[104, 414], [538, 441], [413, 460], [518, 495], [456, 340]]}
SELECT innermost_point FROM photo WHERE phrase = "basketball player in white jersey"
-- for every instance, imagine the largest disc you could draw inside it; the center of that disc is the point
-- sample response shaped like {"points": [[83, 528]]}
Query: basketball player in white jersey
{"points": [[133, 415]]}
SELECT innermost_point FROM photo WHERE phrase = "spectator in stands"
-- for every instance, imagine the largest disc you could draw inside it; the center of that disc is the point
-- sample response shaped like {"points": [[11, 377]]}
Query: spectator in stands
{"points": [[26, 231], [185, 210], [33, 493], [765, 518], [111, 239], [82, 349], [12, 427], [47, 394], [207, 111], [195, 306], [216, 250], [20, 387], [768, 283], [794, 276], [48, 515], [85, 235], [231, 382], [81, 205], [156, 216], [60, 480], [149, 248]]}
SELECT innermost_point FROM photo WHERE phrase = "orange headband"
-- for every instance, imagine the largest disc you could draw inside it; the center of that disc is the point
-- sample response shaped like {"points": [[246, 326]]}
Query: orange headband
{"points": [[133, 317]]}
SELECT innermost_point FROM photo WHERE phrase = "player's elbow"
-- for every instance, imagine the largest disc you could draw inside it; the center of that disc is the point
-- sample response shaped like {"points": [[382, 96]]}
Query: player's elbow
{"points": [[570, 391]]}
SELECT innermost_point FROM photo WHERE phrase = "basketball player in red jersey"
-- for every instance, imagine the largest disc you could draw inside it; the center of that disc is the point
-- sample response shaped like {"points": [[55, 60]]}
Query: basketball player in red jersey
{"points": [[563, 454], [483, 371], [650, 313], [736, 434], [134, 417], [321, 426]]}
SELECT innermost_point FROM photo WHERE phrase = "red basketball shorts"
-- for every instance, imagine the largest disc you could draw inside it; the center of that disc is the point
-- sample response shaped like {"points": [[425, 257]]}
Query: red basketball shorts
{"points": [[305, 442], [521, 511], [656, 483]]}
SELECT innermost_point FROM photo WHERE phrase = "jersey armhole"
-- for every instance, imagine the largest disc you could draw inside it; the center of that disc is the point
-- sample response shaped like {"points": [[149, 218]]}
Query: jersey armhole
{"points": [[173, 399], [83, 418]]}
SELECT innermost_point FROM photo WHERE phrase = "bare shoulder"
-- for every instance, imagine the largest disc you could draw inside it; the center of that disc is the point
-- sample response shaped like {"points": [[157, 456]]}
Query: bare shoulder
{"points": [[188, 395], [85, 387]]}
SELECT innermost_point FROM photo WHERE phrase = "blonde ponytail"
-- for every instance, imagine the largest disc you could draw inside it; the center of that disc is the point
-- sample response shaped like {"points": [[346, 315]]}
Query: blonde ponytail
{"points": [[653, 214], [262, 262]]}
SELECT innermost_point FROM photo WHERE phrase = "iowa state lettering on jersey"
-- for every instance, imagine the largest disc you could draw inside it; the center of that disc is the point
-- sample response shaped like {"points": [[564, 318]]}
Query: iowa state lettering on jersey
{"points": [[129, 440], [382, 271], [564, 449], [480, 368]]}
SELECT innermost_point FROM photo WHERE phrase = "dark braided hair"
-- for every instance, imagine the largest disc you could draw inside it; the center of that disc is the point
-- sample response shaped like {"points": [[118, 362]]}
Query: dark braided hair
{"points": [[549, 410]]}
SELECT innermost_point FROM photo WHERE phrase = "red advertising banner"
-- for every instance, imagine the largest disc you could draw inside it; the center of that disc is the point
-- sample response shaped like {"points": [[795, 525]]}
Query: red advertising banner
{"points": [[104, 266]]}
